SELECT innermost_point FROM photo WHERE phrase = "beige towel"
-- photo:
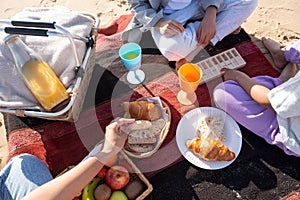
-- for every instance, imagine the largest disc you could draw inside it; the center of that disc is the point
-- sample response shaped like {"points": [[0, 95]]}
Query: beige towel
{"points": [[56, 51]]}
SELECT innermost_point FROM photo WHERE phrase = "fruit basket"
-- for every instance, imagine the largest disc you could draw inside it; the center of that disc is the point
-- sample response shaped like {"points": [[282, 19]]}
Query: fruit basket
{"points": [[138, 186]]}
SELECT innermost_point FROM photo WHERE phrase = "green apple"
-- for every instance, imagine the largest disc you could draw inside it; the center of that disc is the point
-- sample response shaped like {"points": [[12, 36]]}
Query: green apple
{"points": [[118, 195]]}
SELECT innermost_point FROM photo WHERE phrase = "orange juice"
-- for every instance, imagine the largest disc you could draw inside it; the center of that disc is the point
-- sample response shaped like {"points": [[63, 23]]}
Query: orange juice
{"points": [[189, 77], [44, 84], [131, 55]]}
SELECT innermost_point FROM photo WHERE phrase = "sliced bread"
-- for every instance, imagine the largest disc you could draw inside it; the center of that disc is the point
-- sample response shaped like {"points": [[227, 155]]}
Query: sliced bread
{"points": [[157, 126], [141, 137], [140, 148], [211, 127]]}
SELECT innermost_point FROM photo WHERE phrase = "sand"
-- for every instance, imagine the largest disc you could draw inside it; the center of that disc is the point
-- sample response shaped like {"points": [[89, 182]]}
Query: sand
{"points": [[276, 19]]}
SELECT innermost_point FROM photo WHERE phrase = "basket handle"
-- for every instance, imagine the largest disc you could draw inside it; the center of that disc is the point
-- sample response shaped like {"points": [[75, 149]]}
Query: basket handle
{"points": [[26, 31], [44, 32], [34, 24]]}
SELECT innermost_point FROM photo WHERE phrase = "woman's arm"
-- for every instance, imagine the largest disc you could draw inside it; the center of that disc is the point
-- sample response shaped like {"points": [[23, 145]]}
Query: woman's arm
{"points": [[255, 90], [69, 184]]}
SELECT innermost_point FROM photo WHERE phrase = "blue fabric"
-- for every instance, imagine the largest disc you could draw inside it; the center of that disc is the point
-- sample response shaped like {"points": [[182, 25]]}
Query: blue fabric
{"points": [[185, 44], [21, 175]]}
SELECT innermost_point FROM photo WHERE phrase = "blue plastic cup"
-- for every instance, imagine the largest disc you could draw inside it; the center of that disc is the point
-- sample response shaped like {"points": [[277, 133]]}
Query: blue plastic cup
{"points": [[131, 55]]}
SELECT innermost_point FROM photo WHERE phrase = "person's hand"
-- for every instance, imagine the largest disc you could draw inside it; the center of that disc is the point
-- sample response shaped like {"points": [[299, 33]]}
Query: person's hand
{"points": [[207, 28], [230, 74], [116, 135], [169, 28]]}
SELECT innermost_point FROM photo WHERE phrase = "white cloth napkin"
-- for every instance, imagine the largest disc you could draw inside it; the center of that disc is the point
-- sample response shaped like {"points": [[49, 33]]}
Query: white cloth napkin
{"points": [[56, 51]]}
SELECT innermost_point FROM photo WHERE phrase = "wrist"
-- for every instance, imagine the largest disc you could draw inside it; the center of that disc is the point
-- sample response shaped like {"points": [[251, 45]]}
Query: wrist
{"points": [[240, 76], [212, 10], [211, 13], [104, 157]]}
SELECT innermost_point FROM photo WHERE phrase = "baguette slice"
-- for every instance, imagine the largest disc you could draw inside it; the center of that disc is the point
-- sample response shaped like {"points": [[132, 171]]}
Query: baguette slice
{"points": [[157, 126], [137, 125], [140, 125], [140, 148], [142, 110], [141, 137]]}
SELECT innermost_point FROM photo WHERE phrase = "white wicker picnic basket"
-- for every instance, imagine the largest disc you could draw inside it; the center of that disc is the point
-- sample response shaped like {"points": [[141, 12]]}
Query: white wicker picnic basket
{"points": [[82, 69]]}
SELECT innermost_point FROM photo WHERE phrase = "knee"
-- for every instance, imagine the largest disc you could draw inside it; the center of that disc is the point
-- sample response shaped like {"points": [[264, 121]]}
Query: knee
{"points": [[17, 162], [173, 52], [174, 48], [171, 56], [219, 94], [23, 156], [251, 4], [26, 159], [224, 94]]}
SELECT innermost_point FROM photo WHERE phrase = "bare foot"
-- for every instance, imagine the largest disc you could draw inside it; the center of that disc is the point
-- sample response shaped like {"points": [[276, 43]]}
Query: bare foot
{"points": [[276, 52], [180, 62], [288, 72], [237, 31]]}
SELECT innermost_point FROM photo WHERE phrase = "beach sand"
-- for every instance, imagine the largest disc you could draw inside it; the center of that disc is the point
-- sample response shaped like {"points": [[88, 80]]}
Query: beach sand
{"points": [[275, 19]]}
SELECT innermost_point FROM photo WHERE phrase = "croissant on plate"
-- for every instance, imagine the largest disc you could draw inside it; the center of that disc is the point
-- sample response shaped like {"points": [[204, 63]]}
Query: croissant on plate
{"points": [[142, 110], [210, 149]]}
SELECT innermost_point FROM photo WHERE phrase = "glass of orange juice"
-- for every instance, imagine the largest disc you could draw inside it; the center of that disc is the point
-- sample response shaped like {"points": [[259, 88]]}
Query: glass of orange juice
{"points": [[189, 78], [131, 55]]}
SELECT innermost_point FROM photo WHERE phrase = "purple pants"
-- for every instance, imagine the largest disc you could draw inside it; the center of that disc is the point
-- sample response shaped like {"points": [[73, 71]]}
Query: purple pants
{"points": [[232, 98], [292, 52]]}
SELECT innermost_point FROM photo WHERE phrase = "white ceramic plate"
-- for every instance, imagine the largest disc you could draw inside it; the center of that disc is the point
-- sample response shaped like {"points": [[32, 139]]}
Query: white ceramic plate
{"points": [[187, 129]]}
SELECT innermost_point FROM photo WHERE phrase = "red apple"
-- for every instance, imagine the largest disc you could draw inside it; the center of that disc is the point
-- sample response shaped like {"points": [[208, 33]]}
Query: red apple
{"points": [[117, 177], [102, 172]]}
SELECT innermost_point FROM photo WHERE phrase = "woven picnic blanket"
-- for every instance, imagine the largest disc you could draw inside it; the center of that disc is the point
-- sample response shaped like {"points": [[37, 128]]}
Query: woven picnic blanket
{"points": [[60, 144]]}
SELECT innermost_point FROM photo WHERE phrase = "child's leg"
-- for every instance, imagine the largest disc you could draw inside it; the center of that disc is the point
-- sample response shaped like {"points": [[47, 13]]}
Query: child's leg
{"points": [[232, 98], [21, 175], [185, 45], [235, 12], [176, 47]]}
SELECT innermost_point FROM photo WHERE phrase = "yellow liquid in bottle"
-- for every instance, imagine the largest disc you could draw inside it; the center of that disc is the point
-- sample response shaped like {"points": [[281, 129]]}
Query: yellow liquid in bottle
{"points": [[130, 55], [44, 84]]}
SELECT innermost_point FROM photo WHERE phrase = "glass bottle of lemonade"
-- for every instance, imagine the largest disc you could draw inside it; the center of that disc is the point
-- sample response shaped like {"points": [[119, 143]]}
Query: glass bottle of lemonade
{"points": [[38, 76]]}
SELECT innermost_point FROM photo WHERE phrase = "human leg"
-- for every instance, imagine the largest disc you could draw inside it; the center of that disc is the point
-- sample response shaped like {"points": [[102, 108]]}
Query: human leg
{"points": [[231, 16], [231, 97], [289, 71], [21, 175], [177, 47], [185, 45], [276, 52]]}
